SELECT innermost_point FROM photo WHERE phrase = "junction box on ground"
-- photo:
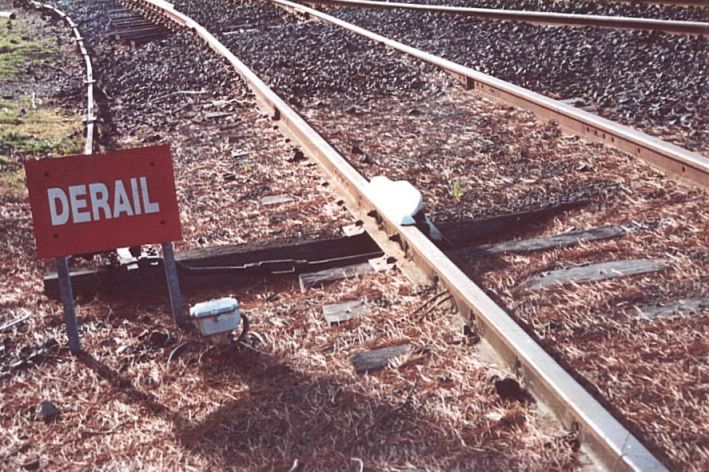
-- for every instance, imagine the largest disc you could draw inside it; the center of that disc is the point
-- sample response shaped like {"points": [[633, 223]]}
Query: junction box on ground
{"points": [[220, 316]]}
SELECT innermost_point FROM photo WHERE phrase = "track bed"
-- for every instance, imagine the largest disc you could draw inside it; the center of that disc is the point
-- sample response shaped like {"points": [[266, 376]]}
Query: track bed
{"points": [[472, 157], [646, 80], [151, 395]]}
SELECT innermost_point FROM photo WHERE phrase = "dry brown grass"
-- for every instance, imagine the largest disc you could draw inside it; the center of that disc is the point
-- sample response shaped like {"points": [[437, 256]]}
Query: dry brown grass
{"points": [[651, 374], [292, 395], [297, 398]]}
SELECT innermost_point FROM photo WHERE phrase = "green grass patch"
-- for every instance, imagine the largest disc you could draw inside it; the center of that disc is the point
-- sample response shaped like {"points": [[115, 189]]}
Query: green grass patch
{"points": [[456, 190], [17, 50], [23, 144], [30, 132], [29, 126]]}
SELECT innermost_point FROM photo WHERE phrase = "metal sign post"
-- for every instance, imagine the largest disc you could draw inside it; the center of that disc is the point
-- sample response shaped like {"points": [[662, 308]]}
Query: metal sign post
{"points": [[173, 284], [72, 329]]}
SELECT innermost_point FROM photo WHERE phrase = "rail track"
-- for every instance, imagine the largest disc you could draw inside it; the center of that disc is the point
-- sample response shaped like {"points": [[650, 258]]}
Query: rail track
{"points": [[555, 387], [661, 10], [62, 263], [672, 159], [269, 386], [681, 3], [579, 67], [612, 443], [536, 17], [90, 119]]}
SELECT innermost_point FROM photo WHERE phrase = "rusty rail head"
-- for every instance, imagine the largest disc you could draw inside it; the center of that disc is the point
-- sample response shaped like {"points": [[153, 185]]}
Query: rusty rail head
{"points": [[609, 441], [677, 3], [90, 118], [674, 160], [536, 17]]}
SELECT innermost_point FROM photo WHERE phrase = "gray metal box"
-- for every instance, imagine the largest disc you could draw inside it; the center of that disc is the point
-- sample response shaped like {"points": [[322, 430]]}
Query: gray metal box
{"points": [[216, 316]]}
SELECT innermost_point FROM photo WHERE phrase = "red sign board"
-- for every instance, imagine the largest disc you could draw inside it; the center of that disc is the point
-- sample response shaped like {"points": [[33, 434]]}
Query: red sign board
{"points": [[85, 204]]}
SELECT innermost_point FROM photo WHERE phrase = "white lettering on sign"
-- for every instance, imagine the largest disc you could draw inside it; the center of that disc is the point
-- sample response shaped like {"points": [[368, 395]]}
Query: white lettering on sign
{"points": [[121, 204], [56, 195], [96, 201], [77, 200], [99, 201], [134, 189], [150, 207]]}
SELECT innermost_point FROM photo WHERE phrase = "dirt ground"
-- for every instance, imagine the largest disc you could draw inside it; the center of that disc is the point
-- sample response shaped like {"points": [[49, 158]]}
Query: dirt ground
{"points": [[146, 396]]}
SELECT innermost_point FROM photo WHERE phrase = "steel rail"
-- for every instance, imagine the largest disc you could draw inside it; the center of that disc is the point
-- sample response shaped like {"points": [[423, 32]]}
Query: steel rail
{"points": [[536, 17], [88, 81], [62, 263], [90, 119], [674, 160], [676, 3], [607, 440]]}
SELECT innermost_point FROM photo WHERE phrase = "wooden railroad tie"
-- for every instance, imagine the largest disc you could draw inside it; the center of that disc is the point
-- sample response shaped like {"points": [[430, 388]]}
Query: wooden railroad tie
{"points": [[345, 311], [320, 262], [591, 273], [674, 308], [377, 359]]}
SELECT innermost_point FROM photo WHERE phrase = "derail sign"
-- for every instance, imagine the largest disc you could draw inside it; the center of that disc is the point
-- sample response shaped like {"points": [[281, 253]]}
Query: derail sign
{"points": [[85, 204]]}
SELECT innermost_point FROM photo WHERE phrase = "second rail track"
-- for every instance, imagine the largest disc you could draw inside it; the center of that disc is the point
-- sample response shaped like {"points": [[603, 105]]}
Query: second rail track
{"points": [[535, 17]]}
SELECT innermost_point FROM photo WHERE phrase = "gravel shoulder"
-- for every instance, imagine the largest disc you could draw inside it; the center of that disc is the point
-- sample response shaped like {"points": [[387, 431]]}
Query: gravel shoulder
{"points": [[227, 155]]}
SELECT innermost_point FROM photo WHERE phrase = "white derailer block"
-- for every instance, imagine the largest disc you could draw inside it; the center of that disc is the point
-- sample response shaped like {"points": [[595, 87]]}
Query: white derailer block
{"points": [[400, 201]]}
